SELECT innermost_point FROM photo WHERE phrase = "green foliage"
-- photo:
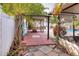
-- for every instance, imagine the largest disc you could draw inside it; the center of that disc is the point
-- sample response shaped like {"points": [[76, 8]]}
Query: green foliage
{"points": [[54, 19], [23, 8], [76, 23]]}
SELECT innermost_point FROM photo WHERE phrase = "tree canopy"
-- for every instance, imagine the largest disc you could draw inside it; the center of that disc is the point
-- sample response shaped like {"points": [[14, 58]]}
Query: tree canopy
{"points": [[14, 9], [22, 8], [54, 19]]}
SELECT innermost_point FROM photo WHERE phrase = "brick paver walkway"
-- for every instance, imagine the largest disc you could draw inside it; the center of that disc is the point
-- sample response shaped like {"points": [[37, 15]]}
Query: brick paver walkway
{"points": [[47, 50], [37, 39], [38, 45]]}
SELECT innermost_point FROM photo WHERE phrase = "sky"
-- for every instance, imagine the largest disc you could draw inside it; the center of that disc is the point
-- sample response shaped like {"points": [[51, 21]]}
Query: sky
{"points": [[50, 7]]}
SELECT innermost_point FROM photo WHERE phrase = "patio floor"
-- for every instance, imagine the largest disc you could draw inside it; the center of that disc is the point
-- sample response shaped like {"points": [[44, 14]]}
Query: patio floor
{"points": [[38, 45], [46, 50], [38, 38]]}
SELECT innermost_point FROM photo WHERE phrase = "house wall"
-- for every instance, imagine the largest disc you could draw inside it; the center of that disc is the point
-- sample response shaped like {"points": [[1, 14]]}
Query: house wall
{"points": [[7, 27], [7, 33], [0, 32]]}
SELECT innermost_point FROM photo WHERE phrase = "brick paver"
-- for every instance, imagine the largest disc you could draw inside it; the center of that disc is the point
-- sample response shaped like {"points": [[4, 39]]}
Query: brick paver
{"points": [[32, 39], [33, 49], [63, 54], [52, 53], [45, 49], [39, 53], [29, 54]]}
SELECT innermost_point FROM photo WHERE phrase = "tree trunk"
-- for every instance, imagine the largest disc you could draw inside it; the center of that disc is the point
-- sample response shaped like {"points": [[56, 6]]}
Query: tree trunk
{"points": [[18, 32], [71, 48]]}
